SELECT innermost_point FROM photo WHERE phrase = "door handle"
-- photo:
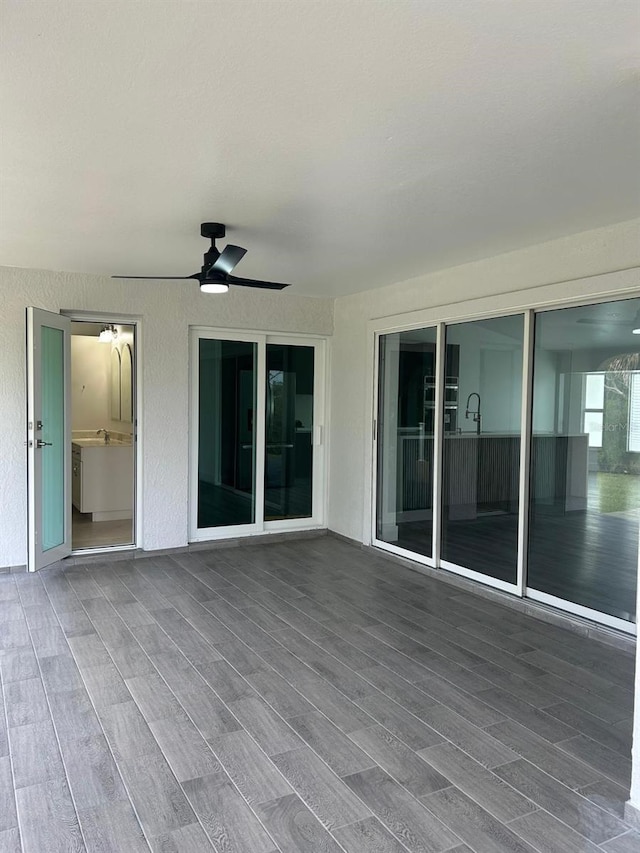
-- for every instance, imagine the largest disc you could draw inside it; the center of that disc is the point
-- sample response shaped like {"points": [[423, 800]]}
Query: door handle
{"points": [[41, 443]]}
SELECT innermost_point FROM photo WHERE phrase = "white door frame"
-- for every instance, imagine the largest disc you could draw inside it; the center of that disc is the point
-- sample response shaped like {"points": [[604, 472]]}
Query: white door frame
{"points": [[136, 322], [259, 526]]}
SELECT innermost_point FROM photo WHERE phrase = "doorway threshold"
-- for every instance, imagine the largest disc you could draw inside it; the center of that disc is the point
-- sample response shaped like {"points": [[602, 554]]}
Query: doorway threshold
{"points": [[111, 549]]}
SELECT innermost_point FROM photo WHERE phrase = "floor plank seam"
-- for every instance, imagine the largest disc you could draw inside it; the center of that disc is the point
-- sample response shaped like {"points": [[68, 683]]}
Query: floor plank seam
{"points": [[51, 715], [9, 756], [192, 721], [320, 757], [275, 611], [95, 708]]}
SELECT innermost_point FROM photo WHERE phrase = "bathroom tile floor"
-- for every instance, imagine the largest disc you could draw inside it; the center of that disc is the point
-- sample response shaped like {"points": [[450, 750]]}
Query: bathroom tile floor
{"points": [[86, 533], [301, 696]]}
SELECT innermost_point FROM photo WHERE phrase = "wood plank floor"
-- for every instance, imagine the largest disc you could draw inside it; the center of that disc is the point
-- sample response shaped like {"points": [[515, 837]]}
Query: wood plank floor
{"points": [[567, 553], [300, 696]]}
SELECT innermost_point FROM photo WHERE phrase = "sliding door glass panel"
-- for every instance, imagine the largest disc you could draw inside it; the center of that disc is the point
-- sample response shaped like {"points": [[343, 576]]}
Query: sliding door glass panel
{"points": [[288, 471], [226, 433], [481, 461], [585, 460], [406, 412]]}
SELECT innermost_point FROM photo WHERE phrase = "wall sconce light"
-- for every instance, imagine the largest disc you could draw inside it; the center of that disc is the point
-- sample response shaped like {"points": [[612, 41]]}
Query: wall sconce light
{"points": [[108, 334]]}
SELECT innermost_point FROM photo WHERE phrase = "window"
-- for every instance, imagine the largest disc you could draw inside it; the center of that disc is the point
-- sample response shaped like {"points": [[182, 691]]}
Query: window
{"points": [[634, 414], [593, 416]]}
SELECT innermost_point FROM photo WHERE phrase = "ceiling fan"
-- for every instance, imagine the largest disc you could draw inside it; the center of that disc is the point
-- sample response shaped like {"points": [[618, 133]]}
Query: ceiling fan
{"points": [[215, 275]]}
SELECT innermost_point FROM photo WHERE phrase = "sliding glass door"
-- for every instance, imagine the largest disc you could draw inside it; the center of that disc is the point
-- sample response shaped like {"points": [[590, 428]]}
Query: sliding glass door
{"points": [[288, 476], [481, 460], [551, 513], [227, 391], [406, 421], [585, 460], [257, 454]]}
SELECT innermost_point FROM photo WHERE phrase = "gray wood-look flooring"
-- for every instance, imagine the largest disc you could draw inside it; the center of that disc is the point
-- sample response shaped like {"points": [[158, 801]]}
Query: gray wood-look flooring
{"points": [[300, 696]]}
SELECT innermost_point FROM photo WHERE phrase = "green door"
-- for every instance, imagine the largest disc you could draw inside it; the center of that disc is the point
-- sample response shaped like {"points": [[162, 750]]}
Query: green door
{"points": [[48, 437]]}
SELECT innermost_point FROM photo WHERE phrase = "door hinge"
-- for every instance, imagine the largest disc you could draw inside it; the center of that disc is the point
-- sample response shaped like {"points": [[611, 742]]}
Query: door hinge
{"points": [[375, 429]]}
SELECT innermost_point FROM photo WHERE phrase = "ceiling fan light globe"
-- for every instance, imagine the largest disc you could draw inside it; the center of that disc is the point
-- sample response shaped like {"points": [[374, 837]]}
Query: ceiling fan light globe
{"points": [[214, 287]]}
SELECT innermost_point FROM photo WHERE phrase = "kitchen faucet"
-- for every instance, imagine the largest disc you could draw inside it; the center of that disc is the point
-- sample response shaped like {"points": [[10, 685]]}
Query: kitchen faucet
{"points": [[107, 435], [477, 417]]}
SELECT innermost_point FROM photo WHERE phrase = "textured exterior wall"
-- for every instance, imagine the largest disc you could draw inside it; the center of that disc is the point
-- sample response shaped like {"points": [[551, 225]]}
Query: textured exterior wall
{"points": [[587, 254], [166, 310]]}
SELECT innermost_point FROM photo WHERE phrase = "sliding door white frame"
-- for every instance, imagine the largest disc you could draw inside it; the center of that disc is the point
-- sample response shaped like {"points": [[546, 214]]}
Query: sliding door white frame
{"points": [[318, 436], [579, 610], [197, 534], [525, 453], [605, 288], [487, 580], [437, 440], [528, 591], [259, 525]]}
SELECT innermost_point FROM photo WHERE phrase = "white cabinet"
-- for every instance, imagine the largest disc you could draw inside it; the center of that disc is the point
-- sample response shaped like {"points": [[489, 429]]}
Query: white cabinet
{"points": [[76, 476], [102, 480]]}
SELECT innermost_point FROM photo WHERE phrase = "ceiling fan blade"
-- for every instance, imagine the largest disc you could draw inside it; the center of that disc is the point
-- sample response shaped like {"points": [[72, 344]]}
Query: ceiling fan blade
{"points": [[227, 260], [250, 282], [163, 277]]}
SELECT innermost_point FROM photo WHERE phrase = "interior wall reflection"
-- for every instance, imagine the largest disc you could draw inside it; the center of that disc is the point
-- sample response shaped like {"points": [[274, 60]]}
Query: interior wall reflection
{"points": [[406, 413], [481, 457], [585, 466], [288, 472]]}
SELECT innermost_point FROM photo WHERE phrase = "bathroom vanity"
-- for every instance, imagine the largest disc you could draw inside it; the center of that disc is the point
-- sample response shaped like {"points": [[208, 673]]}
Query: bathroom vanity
{"points": [[102, 478]]}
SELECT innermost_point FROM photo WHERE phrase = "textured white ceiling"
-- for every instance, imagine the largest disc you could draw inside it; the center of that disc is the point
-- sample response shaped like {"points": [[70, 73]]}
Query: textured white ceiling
{"points": [[347, 144]]}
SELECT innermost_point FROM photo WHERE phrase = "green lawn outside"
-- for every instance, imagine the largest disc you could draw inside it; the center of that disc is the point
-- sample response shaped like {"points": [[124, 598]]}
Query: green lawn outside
{"points": [[618, 492]]}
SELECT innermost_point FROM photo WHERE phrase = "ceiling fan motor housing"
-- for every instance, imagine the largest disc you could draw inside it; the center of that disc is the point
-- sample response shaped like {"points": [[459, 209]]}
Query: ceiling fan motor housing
{"points": [[212, 230]]}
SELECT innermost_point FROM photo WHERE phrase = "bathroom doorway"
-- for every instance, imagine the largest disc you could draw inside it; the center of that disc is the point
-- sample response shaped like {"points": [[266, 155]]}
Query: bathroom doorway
{"points": [[103, 441]]}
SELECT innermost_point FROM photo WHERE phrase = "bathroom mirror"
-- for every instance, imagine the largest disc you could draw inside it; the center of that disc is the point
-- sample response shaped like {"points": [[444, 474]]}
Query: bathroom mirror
{"points": [[115, 384], [126, 397]]}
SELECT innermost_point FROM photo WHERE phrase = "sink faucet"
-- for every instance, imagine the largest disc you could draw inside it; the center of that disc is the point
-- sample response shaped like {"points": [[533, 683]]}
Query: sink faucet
{"points": [[477, 417], [107, 435]]}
